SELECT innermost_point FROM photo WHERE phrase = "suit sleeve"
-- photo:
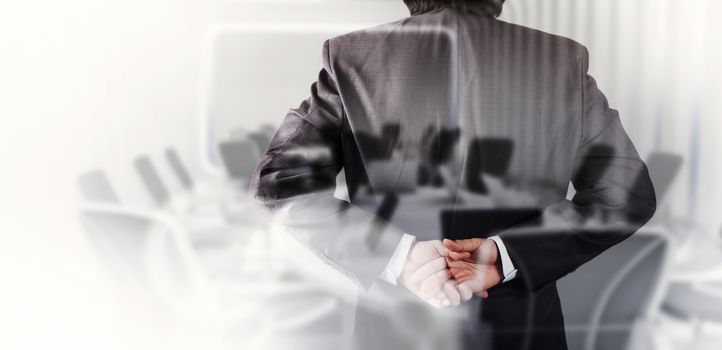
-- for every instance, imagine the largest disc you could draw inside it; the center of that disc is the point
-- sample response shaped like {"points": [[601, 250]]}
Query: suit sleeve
{"points": [[295, 180], [611, 182]]}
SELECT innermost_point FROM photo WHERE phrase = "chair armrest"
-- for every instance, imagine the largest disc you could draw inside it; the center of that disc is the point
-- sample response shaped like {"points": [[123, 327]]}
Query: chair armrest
{"points": [[132, 212]]}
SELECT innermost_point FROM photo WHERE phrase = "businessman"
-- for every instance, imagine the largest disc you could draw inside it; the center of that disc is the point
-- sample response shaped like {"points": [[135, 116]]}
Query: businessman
{"points": [[445, 110]]}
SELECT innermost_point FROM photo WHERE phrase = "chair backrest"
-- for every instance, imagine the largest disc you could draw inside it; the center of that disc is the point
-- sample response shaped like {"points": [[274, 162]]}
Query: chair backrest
{"points": [[663, 170], [267, 129], [595, 163], [443, 144], [152, 181], [604, 298], [95, 187], [390, 132], [260, 140], [179, 169], [688, 300], [490, 156], [374, 147], [239, 159]]}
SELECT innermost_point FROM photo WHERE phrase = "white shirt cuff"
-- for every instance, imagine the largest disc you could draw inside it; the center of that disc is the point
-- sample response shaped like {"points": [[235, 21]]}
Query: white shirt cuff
{"points": [[396, 264], [507, 267]]}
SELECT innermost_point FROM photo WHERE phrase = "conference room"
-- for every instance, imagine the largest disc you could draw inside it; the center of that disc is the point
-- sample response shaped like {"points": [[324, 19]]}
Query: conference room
{"points": [[139, 135]]}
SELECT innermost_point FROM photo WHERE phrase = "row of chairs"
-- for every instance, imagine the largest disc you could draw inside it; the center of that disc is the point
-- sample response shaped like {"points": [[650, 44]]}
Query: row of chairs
{"points": [[158, 250], [201, 255]]}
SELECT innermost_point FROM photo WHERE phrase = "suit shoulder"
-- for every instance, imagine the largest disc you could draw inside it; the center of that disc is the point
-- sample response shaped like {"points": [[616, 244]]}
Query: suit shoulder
{"points": [[347, 47], [366, 35], [545, 40]]}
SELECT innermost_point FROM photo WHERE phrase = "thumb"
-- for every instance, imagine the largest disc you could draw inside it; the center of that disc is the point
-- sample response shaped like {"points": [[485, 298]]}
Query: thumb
{"points": [[463, 245], [438, 247]]}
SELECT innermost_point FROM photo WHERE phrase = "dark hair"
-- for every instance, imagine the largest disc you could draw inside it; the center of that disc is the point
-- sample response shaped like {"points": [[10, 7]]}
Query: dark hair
{"points": [[491, 8]]}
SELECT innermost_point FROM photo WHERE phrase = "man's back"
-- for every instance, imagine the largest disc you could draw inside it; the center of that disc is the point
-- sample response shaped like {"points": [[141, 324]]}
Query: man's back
{"points": [[445, 119], [488, 78]]}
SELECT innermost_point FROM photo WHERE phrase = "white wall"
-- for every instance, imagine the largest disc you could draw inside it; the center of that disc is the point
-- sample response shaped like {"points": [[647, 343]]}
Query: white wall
{"points": [[657, 62], [91, 84]]}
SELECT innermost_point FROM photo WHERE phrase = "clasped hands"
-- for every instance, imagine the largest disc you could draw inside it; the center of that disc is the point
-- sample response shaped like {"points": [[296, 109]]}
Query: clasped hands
{"points": [[451, 272]]}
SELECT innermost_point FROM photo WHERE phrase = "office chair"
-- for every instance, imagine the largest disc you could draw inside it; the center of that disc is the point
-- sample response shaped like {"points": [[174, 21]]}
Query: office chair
{"points": [[151, 180], [442, 145], [663, 170], [374, 148], [97, 192], [695, 292], [697, 303], [239, 159], [230, 204], [490, 156], [260, 140], [151, 252], [211, 190], [607, 299], [390, 133], [267, 129], [130, 243], [155, 186], [179, 169], [95, 188], [436, 154]]}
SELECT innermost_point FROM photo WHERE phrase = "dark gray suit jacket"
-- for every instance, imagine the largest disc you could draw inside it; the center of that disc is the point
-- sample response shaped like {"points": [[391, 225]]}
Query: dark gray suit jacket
{"points": [[473, 95]]}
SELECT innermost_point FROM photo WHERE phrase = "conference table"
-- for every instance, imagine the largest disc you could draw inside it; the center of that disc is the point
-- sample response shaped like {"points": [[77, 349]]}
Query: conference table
{"points": [[419, 212]]}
